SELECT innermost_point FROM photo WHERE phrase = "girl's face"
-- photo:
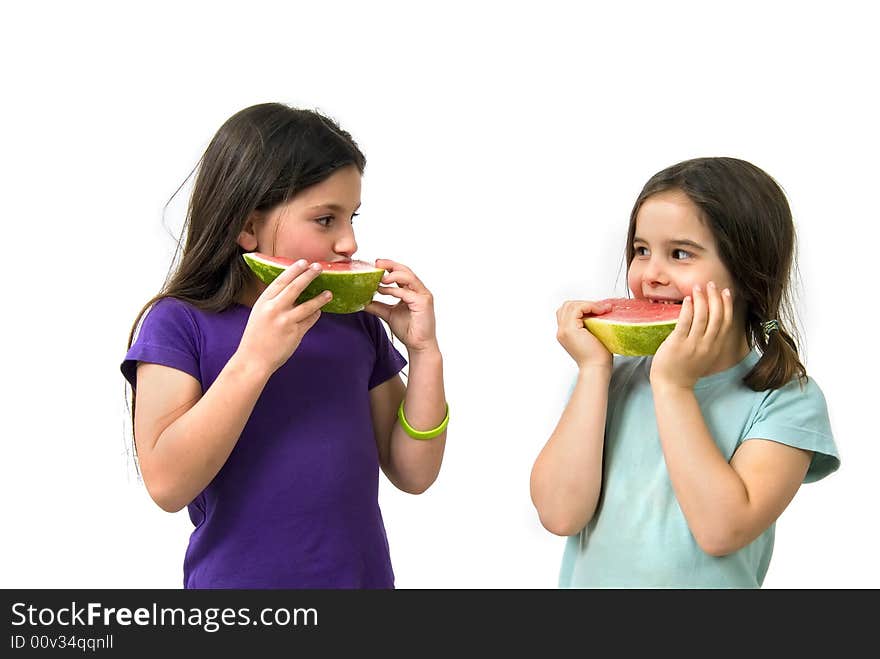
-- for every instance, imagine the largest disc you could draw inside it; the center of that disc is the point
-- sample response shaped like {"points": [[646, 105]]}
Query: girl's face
{"points": [[315, 225], [674, 250]]}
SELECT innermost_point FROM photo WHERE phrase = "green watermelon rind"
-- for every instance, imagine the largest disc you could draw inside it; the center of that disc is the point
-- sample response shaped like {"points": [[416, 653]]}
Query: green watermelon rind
{"points": [[352, 291], [630, 339]]}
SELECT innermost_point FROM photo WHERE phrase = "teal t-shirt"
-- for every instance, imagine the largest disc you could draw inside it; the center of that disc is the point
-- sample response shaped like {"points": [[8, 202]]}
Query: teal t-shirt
{"points": [[639, 537]]}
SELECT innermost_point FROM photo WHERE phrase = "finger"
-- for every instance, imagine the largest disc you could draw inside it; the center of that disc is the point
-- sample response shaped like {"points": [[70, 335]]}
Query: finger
{"points": [[685, 318], [310, 320], [403, 278], [584, 308], [567, 312], [307, 308], [715, 310], [406, 294], [576, 310], [701, 313], [381, 309], [727, 304], [287, 275], [391, 266], [294, 288]]}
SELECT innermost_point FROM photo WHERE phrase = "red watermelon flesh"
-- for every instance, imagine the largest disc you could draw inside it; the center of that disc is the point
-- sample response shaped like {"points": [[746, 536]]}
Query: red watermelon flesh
{"points": [[638, 310], [350, 265], [633, 326]]}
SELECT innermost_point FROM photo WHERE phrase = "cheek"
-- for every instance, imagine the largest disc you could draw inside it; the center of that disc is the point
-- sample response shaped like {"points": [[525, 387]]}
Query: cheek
{"points": [[634, 278], [685, 285]]}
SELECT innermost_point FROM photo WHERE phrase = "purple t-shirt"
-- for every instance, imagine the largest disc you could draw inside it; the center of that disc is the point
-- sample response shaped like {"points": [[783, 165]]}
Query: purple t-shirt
{"points": [[296, 503]]}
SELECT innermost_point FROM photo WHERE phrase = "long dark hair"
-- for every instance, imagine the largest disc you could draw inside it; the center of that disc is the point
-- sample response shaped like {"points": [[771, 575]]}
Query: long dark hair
{"points": [[749, 216], [258, 159]]}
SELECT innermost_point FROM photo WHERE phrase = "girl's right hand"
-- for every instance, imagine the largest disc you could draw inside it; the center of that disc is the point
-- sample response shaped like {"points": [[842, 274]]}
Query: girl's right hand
{"points": [[277, 324], [584, 348]]}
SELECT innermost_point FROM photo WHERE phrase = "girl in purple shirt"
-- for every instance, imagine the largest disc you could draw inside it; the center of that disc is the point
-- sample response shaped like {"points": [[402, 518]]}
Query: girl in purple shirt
{"points": [[267, 419]]}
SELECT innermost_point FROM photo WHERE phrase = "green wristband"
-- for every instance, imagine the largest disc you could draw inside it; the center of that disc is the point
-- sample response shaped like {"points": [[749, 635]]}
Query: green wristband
{"points": [[422, 434]]}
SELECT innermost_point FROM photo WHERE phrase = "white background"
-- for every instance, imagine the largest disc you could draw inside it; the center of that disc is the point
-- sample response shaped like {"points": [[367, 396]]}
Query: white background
{"points": [[505, 143]]}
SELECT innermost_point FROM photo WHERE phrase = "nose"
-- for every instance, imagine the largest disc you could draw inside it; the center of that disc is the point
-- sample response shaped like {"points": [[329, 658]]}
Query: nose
{"points": [[654, 274], [345, 244]]}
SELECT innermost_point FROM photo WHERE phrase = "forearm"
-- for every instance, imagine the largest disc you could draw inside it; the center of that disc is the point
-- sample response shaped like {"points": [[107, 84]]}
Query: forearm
{"points": [[711, 494], [566, 478], [190, 452], [415, 463]]}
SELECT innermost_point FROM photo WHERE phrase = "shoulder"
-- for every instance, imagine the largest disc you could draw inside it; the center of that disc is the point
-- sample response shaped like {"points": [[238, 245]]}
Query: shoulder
{"points": [[167, 311], [169, 335], [794, 400], [797, 415]]}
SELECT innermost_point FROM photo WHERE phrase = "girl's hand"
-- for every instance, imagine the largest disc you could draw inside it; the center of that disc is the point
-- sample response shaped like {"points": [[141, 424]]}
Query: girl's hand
{"points": [[277, 324], [695, 344], [584, 348], [412, 319]]}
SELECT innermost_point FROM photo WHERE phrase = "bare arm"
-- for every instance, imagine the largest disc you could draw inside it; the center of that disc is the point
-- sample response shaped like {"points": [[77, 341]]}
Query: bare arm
{"points": [[726, 505], [567, 475], [412, 465], [183, 437], [566, 478]]}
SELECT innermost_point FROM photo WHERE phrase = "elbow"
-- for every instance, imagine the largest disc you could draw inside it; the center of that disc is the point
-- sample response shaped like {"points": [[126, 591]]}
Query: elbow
{"points": [[167, 503], [170, 506], [720, 542], [555, 511], [560, 520], [416, 482], [163, 496], [416, 486], [561, 525]]}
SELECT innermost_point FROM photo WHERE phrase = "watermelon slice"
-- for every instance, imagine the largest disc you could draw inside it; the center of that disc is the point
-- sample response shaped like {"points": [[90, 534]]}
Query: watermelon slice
{"points": [[633, 326], [353, 283]]}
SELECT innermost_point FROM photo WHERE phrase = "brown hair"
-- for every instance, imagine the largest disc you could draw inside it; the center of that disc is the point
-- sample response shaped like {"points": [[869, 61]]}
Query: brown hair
{"points": [[257, 160], [749, 216]]}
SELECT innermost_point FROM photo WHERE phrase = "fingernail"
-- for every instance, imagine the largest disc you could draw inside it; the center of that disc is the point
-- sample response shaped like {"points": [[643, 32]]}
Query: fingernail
{"points": [[301, 263], [687, 298], [697, 288], [726, 292], [316, 266], [712, 284], [327, 294]]}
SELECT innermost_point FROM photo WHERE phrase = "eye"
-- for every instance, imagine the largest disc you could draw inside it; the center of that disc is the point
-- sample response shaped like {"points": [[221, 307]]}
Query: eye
{"points": [[640, 250], [324, 221], [680, 254]]}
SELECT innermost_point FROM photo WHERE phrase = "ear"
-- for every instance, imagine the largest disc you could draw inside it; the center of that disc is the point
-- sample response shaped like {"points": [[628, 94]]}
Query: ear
{"points": [[247, 238]]}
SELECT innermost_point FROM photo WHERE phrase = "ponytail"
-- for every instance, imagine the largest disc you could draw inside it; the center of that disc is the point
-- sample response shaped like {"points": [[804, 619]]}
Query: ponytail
{"points": [[779, 362]]}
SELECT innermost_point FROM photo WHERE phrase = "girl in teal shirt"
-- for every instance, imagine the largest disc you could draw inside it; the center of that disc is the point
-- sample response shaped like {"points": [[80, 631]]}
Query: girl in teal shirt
{"points": [[670, 471]]}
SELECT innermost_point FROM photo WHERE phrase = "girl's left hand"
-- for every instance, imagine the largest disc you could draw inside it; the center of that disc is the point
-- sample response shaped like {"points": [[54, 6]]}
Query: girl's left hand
{"points": [[412, 319], [700, 335]]}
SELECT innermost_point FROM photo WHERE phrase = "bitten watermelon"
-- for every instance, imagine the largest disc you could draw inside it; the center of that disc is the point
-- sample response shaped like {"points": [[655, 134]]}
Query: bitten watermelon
{"points": [[633, 326], [353, 283]]}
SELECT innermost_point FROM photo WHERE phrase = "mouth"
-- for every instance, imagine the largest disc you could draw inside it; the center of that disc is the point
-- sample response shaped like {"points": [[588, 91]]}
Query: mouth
{"points": [[660, 300]]}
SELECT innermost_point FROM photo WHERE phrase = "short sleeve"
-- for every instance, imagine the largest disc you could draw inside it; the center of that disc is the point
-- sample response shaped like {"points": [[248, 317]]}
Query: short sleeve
{"points": [[169, 335], [798, 416], [389, 361]]}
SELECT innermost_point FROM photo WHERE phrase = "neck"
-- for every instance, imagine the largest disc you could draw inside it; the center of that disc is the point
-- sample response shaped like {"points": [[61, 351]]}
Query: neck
{"points": [[735, 350], [249, 294]]}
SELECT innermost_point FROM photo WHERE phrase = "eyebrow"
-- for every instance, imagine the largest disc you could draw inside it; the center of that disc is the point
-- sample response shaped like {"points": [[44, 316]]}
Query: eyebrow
{"points": [[676, 241], [331, 207]]}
